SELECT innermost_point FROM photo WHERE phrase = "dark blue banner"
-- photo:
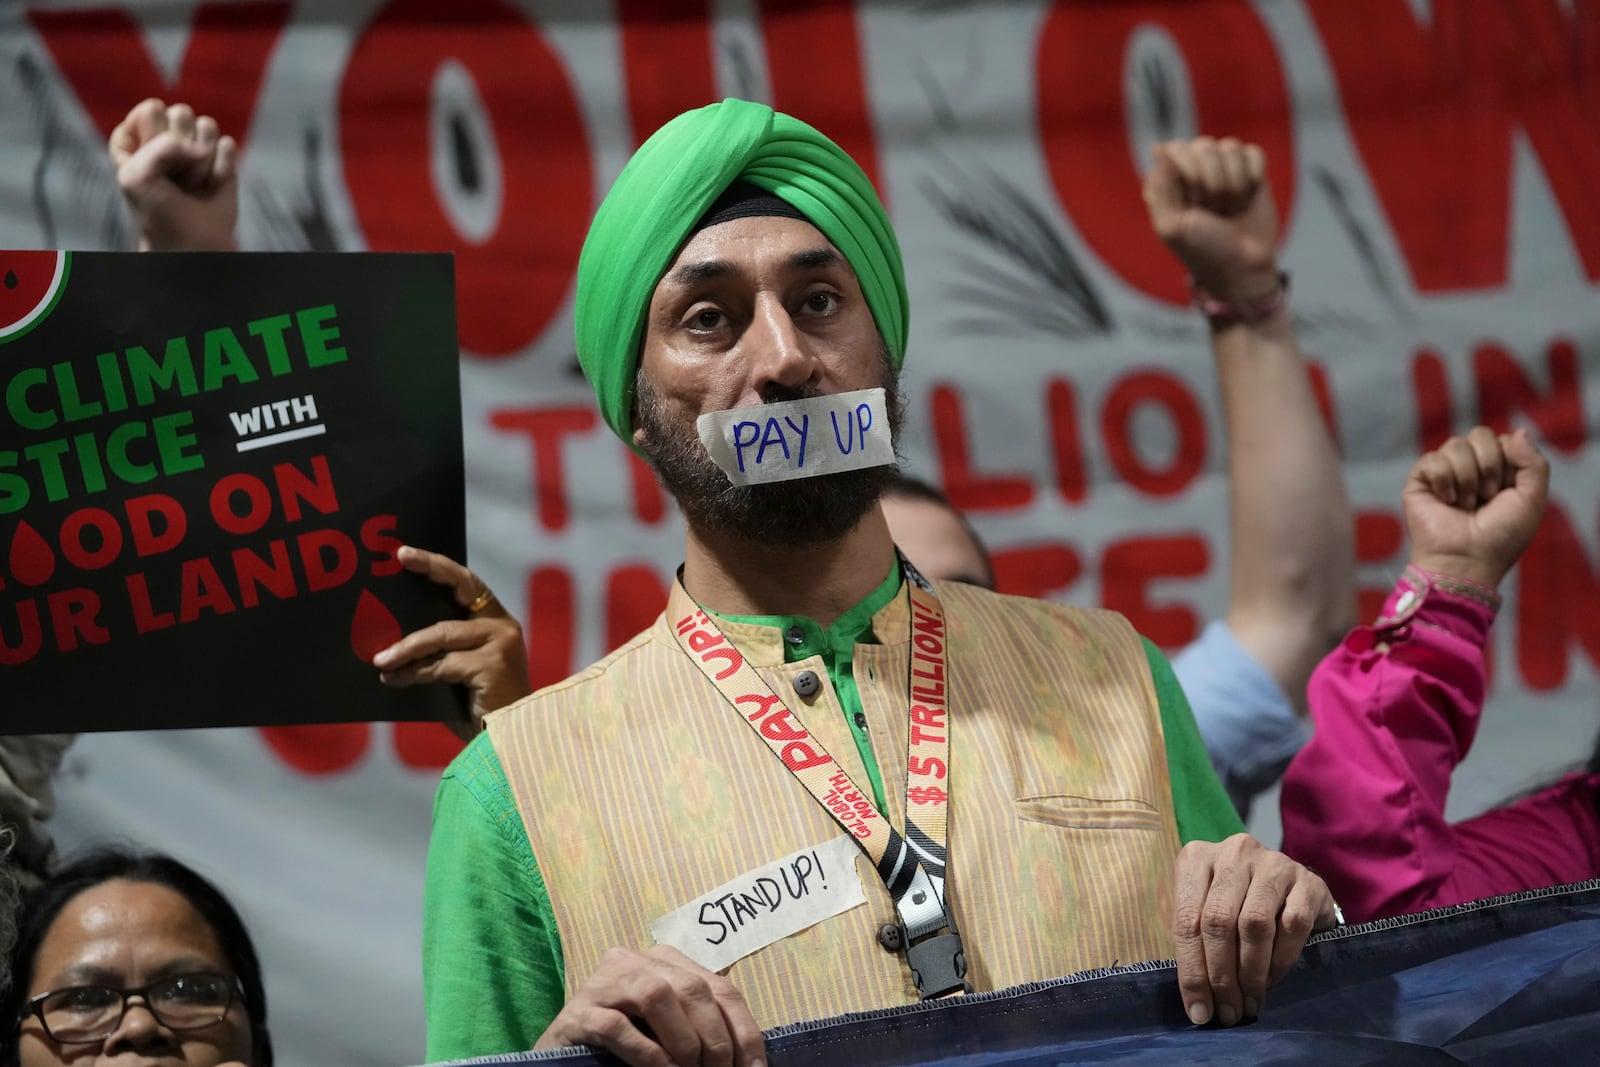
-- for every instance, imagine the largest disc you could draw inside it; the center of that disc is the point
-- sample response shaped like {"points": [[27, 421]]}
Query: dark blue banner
{"points": [[1510, 980]]}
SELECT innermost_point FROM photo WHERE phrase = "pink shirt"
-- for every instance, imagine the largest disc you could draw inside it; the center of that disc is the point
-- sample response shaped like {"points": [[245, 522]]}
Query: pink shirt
{"points": [[1396, 708]]}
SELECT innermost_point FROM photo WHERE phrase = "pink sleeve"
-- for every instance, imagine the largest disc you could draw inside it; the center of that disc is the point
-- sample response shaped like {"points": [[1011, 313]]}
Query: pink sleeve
{"points": [[1395, 708]]}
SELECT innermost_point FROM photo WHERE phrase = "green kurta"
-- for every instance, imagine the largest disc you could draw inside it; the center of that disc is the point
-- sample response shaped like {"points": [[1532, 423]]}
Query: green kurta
{"points": [[493, 985]]}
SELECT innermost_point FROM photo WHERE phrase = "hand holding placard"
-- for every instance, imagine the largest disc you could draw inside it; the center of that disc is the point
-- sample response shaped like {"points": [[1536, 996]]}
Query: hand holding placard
{"points": [[483, 652]]}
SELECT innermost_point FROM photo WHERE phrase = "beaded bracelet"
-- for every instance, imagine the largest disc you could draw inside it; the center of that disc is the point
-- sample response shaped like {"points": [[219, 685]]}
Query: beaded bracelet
{"points": [[1225, 313]]}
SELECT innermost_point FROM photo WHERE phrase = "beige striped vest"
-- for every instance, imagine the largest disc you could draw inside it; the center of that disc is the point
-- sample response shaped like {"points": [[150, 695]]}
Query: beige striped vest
{"points": [[641, 790]]}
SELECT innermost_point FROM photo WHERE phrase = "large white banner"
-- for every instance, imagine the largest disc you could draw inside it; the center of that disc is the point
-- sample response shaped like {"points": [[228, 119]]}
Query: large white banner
{"points": [[1434, 162]]}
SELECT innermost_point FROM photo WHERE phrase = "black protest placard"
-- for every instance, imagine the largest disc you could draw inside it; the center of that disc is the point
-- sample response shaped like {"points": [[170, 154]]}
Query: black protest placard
{"points": [[206, 465]]}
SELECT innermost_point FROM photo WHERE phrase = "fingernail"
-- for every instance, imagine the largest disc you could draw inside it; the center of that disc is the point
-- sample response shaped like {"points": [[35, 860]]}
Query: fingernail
{"points": [[1225, 1015], [382, 657], [1251, 1008], [1199, 1014]]}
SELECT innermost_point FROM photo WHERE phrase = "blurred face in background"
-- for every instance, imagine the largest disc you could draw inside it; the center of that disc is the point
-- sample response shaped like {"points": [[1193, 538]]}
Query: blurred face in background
{"points": [[122, 935]]}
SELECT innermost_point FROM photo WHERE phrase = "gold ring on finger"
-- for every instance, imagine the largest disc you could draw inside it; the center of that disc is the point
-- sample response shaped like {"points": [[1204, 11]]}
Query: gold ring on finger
{"points": [[480, 602]]}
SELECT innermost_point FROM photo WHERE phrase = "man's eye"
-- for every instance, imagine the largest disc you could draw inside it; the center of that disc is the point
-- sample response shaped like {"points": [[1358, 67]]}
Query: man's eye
{"points": [[821, 302], [707, 319]]}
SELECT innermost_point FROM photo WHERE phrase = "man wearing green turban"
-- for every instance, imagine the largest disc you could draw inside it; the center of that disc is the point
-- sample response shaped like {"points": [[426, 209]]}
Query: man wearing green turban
{"points": [[816, 784]]}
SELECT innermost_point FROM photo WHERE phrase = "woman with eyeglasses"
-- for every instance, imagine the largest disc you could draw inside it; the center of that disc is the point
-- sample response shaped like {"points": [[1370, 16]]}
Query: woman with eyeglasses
{"points": [[133, 959]]}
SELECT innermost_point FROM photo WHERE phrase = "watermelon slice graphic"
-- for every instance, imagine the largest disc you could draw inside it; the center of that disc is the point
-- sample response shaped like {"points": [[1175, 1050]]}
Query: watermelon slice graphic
{"points": [[30, 285]]}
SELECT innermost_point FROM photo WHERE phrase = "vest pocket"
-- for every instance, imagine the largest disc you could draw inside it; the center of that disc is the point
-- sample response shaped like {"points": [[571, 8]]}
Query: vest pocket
{"points": [[1088, 813]]}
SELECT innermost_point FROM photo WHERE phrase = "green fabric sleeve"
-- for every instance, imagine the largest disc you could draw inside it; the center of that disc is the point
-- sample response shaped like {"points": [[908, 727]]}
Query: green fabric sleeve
{"points": [[1202, 807], [493, 977]]}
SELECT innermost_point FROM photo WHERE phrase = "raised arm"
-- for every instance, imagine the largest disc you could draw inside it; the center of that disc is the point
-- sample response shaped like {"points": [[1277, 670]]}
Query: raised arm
{"points": [[179, 174], [1291, 592], [1396, 706]]}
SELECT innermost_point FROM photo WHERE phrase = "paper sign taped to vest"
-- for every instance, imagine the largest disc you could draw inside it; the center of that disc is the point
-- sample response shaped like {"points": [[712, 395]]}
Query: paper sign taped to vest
{"points": [[799, 438], [765, 905]]}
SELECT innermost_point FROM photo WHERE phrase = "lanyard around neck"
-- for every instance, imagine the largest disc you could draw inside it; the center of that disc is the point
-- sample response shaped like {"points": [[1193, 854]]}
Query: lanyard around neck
{"points": [[913, 864]]}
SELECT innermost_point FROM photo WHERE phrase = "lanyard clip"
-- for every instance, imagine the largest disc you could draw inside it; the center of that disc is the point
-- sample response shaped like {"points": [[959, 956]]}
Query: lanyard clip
{"points": [[938, 965]]}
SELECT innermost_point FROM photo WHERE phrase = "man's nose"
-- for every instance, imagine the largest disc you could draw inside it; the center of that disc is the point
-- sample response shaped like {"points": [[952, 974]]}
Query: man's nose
{"points": [[779, 353]]}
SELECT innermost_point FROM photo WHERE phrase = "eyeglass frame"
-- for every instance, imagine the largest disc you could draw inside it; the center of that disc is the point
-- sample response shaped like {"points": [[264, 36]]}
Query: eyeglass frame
{"points": [[34, 1008]]}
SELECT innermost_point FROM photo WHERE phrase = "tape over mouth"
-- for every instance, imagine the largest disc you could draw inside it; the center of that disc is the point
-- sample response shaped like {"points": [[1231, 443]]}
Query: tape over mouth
{"points": [[805, 438]]}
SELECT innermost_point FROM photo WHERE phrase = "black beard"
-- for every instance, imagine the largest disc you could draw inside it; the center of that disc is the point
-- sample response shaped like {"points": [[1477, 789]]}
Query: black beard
{"points": [[793, 514]]}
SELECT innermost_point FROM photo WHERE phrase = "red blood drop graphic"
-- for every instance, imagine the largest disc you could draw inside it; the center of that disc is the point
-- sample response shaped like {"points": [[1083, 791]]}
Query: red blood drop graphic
{"points": [[374, 627], [32, 562]]}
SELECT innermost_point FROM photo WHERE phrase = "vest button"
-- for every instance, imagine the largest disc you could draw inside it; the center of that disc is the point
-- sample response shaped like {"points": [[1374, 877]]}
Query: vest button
{"points": [[889, 937], [806, 683]]}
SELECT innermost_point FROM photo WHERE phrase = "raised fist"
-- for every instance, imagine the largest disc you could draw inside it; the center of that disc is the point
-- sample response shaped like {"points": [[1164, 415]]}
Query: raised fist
{"points": [[178, 174], [1210, 202], [1473, 504]]}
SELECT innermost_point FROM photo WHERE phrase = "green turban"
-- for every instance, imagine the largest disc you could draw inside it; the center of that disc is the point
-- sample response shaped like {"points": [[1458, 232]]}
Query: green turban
{"points": [[666, 187]]}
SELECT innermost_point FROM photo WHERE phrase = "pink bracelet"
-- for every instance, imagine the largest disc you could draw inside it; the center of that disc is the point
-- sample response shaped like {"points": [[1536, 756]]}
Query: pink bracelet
{"points": [[1224, 313]]}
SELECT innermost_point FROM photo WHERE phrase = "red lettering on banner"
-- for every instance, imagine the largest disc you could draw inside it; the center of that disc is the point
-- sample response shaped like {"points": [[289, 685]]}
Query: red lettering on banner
{"points": [[1478, 74], [1036, 570], [1183, 413], [823, 86], [968, 490], [141, 510], [101, 52], [426, 746], [1379, 535], [551, 626], [1430, 384], [926, 766], [107, 532], [1556, 595], [75, 614], [1505, 389], [324, 748], [1238, 89], [666, 52], [1066, 440], [1129, 567], [1324, 397], [649, 502], [511, 283], [545, 429], [635, 595]]}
